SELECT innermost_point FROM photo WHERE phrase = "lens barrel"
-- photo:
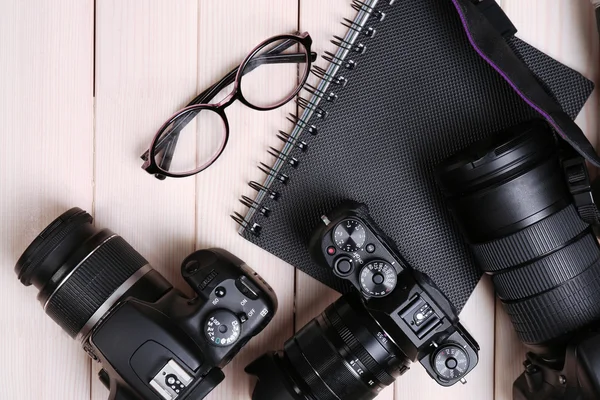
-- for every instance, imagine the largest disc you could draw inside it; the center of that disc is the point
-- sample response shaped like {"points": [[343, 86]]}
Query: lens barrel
{"points": [[80, 271], [510, 198], [341, 354]]}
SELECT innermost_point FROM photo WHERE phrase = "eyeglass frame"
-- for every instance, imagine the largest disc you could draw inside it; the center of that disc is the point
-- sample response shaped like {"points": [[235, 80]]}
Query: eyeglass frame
{"points": [[198, 104]]}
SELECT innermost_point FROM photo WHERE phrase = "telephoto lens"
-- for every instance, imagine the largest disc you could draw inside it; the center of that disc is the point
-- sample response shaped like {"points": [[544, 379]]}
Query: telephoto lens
{"points": [[511, 196], [154, 343]]}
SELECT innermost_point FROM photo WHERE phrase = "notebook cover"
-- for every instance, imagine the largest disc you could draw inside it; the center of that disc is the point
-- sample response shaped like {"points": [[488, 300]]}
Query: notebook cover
{"points": [[418, 94]]}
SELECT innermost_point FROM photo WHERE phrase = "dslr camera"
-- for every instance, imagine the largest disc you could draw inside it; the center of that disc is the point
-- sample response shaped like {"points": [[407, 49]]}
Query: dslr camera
{"points": [[365, 340], [154, 342], [524, 202]]}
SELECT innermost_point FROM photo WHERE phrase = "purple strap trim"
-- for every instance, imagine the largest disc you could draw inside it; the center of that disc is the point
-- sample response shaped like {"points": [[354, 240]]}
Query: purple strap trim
{"points": [[502, 74]]}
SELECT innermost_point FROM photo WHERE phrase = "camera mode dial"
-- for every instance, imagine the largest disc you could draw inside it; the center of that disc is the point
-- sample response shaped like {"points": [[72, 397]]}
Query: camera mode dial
{"points": [[450, 362], [349, 235], [222, 328], [378, 279]]}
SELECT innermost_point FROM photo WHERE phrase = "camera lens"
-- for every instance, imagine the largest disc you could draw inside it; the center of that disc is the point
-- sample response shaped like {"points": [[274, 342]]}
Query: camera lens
{"points": [[341, 354], [81, 271], [510, 198]]}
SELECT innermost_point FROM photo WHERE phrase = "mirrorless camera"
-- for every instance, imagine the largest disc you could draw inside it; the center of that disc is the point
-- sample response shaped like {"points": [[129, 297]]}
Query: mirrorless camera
{"points": [[524, 202], [154, 342], [365, 340]]}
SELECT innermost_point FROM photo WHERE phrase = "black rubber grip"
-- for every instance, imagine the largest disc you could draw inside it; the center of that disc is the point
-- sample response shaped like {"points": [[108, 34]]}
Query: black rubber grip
{"points": [[549, 271], [562, 310], [92, 283], [531, 242]]}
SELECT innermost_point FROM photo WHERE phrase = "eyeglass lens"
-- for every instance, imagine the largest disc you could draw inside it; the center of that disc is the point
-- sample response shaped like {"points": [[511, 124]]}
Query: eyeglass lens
{"points": [[195, 138], [271, 80]]}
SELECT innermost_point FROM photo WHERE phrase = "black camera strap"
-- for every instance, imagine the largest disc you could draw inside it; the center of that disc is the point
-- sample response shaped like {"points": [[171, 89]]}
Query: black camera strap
{"points": [[487, 27], [581, 187]]}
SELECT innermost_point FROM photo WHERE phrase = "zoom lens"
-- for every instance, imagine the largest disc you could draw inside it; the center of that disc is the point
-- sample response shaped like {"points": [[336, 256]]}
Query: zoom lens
{"points": [[81, 272], [342, 354], [510, 198]]}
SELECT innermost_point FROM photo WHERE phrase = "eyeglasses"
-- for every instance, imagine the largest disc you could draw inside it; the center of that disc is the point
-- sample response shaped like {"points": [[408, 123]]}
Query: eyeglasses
{"points": [[194, 137]]}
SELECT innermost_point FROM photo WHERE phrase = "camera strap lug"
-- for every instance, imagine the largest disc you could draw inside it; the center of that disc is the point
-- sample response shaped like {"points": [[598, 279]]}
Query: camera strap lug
{"points": [[87, 347], [579, 183]]}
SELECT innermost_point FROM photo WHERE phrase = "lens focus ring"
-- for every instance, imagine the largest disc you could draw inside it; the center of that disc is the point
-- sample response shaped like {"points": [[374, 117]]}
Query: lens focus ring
{"points": [[92, 282], [564, 309], [548, 272], [531, 242], [357, 349]]}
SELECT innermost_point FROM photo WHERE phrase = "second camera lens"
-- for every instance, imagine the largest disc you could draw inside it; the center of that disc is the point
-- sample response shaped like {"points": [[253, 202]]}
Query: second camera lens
{"points": [[341, 354]]}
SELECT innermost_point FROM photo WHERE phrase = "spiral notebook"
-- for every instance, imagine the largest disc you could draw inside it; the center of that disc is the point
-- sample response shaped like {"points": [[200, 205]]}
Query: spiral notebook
{"points": [[404, 90]]}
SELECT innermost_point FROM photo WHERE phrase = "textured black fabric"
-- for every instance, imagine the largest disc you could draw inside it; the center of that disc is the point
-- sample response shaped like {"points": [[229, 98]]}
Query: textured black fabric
{"points": [[418, 94], [553, 77], [491, 46]]}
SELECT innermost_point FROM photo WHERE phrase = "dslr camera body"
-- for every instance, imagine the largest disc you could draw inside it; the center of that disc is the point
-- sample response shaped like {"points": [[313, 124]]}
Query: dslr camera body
{"points": [[366, 339], [154, 342]]}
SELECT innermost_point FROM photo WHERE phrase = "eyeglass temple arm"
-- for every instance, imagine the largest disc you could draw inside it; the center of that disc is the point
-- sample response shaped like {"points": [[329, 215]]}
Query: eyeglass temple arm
{"points": [[271, 57]]}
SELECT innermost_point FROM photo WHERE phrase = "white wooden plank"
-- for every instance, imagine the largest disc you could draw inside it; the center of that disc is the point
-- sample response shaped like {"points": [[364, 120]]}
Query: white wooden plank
{"points": [[45, 168], [228, 30], [146, 69], [565, 30]]}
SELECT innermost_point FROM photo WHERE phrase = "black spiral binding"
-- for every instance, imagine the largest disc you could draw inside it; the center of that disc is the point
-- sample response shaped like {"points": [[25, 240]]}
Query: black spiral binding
{"points": [[347, 46], [322, 74]]}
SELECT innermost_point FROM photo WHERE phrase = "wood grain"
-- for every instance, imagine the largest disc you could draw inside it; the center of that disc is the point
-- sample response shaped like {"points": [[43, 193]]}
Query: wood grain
{"points": [[565, 30], [146, 63], [45, 168]]}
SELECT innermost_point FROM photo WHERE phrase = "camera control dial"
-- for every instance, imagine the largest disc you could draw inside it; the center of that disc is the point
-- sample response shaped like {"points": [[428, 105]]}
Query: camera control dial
{"points": [[451, 362], [349, 235], [222, 328], [378, 279]]}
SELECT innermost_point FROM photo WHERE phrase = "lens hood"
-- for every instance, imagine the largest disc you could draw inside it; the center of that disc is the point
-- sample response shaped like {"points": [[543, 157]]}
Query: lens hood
{"points": [[273, 380], [51, 248]]}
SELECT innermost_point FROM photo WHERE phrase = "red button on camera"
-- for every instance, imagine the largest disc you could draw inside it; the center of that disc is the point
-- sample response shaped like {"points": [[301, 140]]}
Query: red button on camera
{"points": [[331, 250]]}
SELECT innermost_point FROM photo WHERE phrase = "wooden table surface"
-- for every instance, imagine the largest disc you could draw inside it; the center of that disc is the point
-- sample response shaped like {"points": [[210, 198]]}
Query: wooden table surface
{"points": [[83, 86]]}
